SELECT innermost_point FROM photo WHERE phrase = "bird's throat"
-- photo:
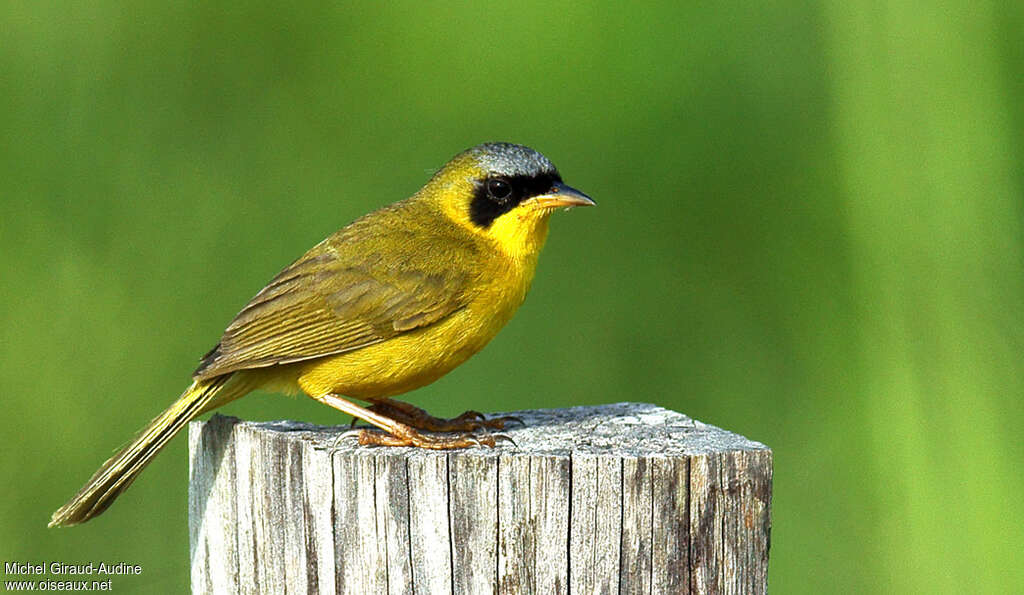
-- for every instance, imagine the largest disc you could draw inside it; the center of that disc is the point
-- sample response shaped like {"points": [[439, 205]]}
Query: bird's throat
{"points": [[520, 235]]}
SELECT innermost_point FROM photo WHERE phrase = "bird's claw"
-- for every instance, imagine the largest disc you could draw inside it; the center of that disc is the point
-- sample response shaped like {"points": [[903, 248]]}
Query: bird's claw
{"points": [[347, 435], [471, 438], [510, 419], [504, 437], [472, 415]]}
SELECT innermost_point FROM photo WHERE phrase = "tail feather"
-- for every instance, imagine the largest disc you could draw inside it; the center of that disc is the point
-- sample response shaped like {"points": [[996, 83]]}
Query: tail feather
{"points": [[120, 470]]}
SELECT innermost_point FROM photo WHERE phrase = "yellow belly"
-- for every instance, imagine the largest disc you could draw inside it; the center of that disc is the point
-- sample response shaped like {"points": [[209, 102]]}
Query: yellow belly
{"points": [[414, 359], [392, 367]]}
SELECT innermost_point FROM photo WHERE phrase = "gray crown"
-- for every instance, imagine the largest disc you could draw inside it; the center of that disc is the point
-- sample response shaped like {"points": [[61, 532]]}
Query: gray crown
{"points": [[510, 159]]}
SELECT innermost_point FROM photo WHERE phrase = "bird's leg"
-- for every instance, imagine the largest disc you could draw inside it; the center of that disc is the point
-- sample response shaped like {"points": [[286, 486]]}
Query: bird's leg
{"points": [[418, 418], [399, 434]]}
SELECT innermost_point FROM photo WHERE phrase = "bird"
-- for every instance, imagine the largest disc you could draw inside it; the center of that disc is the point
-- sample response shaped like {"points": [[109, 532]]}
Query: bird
{"points": [[387, 304]]}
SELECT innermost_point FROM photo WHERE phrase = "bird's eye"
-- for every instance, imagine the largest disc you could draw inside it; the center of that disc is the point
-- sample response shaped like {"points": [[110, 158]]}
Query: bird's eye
{"points": [[498, 188]]}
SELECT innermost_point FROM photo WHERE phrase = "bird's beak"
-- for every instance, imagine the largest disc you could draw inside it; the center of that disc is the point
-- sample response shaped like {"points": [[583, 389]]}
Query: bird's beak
{"points": [[561, 195]]}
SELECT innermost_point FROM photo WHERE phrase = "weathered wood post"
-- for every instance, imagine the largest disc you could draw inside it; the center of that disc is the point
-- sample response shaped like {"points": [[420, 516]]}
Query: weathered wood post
{"points": [[628, 498]]}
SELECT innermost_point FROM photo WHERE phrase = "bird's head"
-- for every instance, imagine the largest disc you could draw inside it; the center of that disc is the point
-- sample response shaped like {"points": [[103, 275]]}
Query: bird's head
{"points": [[504, 192]]}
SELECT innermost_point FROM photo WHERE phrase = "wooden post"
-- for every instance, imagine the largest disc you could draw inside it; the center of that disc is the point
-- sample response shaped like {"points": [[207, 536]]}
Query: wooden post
{"points": [[624, 498]]}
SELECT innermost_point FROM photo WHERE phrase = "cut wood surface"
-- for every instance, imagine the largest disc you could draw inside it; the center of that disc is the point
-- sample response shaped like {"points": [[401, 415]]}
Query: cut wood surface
{"points": [[623, 498]]}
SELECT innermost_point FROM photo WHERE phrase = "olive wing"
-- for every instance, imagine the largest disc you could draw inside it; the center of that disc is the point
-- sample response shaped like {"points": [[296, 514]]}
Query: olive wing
{"points": [[321, 306]]}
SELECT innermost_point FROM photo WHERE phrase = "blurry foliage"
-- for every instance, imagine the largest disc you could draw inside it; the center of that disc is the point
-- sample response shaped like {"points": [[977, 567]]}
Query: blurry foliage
{"points": [[808, 232]]}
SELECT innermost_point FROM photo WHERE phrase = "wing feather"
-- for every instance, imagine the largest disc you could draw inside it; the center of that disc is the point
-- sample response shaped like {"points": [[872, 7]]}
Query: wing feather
{"points": [[334, 300]]}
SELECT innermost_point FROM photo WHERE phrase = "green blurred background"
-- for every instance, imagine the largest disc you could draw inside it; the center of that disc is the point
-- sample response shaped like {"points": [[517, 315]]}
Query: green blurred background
{"points": [[809, 232]]}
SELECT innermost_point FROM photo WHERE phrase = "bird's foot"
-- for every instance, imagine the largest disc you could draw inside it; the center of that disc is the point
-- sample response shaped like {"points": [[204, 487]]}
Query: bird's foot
{"points": [[403, 435], [390, 416], [470, 421]]}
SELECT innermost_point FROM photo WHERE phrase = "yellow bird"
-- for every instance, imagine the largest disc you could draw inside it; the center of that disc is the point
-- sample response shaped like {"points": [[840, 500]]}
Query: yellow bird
{"points": [[390, 303]]}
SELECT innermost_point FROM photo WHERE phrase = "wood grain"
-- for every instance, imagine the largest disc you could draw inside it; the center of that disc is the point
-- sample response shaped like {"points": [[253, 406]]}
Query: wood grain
{"points": [[623, 498]]}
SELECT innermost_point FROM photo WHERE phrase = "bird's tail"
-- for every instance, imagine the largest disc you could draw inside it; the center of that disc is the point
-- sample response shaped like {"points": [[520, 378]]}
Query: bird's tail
{"points": [[120, 470]]}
